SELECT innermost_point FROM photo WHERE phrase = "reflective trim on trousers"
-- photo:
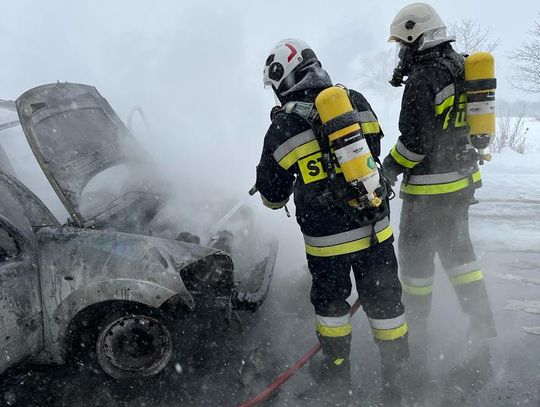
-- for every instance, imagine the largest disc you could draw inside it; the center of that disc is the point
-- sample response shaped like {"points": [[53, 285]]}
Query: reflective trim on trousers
{"points": [[334, 327], [390, 334], [347, 242], [333, 321], [387, 323], [434, 184], [468, 278], [417, 286], [465, 273], [463, 269]]}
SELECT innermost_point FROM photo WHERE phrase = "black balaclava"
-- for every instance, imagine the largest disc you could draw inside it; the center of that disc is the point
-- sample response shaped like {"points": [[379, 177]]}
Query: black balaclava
{"points": [[311, 76]]}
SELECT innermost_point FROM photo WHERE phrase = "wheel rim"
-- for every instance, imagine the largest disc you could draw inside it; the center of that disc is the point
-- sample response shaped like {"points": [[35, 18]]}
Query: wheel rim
{"points": [[134, 346]]}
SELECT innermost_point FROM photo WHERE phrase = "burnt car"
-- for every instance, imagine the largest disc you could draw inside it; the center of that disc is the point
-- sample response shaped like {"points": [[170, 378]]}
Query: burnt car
{"points": [[103, 281]]}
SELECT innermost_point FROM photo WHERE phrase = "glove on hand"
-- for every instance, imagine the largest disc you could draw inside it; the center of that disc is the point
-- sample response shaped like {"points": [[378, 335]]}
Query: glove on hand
{"points": [[275, 110], [389, 171]]}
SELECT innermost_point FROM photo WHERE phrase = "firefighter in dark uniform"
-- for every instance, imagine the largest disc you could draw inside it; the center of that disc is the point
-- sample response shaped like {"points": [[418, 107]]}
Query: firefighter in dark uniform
{"points": [[336, 238], [439, 167]]}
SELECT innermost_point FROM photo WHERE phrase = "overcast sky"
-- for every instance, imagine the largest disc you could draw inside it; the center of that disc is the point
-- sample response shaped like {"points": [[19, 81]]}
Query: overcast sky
{"points": [[114, 43], [196, 66]]}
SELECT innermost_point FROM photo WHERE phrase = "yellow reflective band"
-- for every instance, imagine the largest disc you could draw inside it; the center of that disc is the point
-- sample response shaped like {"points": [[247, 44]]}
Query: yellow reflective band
{"points": [[401, 159], [445, 104], [344, 131], [304, 150], [409, 289], [349, 247], [339, 362], [435, 189], [371, 128], [312, 170], [334, 331], [390, 334], [467, 278]]}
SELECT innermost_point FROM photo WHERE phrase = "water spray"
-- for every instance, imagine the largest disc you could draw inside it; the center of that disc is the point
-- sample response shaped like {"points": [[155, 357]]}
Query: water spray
{"points": [[211, 232]]}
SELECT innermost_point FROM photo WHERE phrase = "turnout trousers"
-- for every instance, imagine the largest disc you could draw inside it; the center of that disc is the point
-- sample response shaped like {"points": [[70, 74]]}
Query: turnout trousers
{"points": [[379, 289], [439, 224]]}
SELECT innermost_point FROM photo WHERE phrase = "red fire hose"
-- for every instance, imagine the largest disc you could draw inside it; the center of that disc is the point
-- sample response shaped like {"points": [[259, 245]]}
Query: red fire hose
{"points": [[282, 378]]}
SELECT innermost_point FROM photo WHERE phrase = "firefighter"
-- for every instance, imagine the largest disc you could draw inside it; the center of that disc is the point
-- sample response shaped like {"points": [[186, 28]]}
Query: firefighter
{"points": [[337, 236], [440, 170]]}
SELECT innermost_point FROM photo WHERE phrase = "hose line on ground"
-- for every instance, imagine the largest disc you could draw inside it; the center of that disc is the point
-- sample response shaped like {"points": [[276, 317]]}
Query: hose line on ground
{"points": [[282, 378]]}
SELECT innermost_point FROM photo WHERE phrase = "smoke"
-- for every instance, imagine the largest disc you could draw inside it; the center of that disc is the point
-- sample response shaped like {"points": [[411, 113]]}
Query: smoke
{"points": [[195, 68]]}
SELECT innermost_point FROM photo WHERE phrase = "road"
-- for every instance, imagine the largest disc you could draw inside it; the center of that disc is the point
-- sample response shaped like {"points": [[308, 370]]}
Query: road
{"points": [[232, 363]]}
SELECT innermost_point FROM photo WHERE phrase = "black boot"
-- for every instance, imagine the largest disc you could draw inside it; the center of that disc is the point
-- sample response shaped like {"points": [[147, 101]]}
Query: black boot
{"points": [[394, 354], [327, 371], [331, 381], [417, 308], [481, 328], [475, 303]]}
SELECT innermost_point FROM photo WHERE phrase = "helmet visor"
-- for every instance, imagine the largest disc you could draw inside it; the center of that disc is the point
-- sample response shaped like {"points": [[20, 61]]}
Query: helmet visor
{"points": [[433, 38]]}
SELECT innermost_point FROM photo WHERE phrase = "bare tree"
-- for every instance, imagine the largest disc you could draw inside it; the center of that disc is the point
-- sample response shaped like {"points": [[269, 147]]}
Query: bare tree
{"points": [[471, 37], [375, 72], [526, 63], [511, 131]]}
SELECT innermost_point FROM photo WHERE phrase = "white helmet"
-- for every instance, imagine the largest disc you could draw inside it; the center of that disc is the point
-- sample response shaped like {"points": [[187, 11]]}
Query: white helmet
{"points": [[284, 58], [415, 20]]}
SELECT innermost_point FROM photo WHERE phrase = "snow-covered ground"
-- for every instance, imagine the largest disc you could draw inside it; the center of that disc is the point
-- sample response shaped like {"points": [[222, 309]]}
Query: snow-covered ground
{"points": [[505, 228], [505, 225]]}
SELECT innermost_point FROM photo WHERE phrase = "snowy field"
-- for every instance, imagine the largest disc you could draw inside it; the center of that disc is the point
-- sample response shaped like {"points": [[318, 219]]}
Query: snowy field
{"points": [[232, 363]]}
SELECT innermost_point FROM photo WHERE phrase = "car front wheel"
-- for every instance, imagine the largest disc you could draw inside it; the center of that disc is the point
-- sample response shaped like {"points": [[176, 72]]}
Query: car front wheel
{"points": [[134, 344]]}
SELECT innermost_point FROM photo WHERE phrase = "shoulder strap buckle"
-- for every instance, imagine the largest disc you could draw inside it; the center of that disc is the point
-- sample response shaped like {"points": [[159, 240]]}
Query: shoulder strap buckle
{"points": [[305, 110]]}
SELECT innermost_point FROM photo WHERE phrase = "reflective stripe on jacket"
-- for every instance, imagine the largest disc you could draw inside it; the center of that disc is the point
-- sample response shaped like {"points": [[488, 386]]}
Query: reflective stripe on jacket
{"points": [[291, 160], [348, 242], [434, 151]]}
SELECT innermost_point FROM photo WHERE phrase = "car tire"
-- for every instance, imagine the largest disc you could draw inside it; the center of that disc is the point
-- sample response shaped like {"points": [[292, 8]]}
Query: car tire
{"points": [[135, 343]]}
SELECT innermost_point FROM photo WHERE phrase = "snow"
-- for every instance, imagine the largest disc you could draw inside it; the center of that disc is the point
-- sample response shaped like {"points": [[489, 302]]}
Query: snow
{"points": [[532, 307], [505, 228]]}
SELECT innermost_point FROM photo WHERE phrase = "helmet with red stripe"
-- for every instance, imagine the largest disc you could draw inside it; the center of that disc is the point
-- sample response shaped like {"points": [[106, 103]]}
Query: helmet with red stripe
{"points": [[286, 58]]}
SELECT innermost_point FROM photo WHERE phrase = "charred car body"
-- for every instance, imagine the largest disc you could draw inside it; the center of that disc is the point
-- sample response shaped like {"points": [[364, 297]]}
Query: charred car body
{"points": [[102, 272]]}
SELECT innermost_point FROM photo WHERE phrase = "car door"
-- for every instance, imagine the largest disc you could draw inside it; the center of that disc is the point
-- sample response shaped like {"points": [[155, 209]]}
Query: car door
{"points": [[101, 174], [21, 325]]}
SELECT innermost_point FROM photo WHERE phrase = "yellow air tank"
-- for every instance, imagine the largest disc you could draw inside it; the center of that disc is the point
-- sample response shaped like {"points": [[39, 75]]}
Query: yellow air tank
{"points": [[480, 86], [348, 143]]}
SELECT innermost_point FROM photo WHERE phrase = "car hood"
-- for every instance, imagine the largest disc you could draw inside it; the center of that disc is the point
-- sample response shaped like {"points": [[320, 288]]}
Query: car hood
{"points": [[5, 164], [76, 136]]}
